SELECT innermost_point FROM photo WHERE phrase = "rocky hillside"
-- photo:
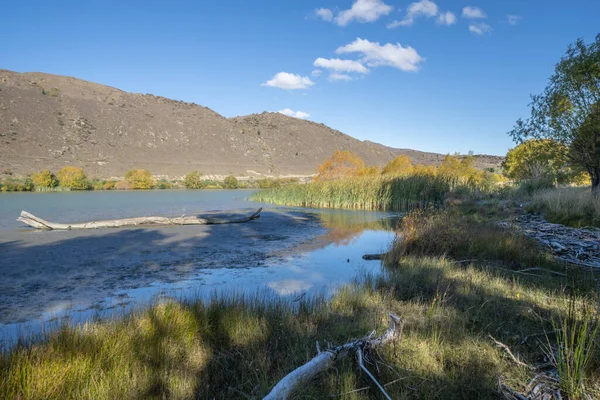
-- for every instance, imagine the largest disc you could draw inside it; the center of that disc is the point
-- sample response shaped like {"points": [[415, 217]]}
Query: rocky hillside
{"points": [[49, 121]]}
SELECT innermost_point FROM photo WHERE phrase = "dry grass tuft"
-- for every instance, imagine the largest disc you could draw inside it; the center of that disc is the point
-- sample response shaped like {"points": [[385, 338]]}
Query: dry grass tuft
{"points": [[575, 207]]}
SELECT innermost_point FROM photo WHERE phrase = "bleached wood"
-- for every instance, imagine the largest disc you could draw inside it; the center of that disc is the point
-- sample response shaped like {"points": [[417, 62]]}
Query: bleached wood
{"points": [[325, 360], [39, 223]]}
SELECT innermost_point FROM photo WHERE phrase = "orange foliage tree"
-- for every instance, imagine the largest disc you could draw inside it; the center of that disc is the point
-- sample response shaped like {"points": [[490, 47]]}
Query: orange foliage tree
{"points": [[400, 165], [341, 164]]}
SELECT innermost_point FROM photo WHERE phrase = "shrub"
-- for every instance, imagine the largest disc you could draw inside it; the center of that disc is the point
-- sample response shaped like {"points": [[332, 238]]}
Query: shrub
{"points": [[139, 179], [123, 185], [73, 178], [230, 182], [109, 185], [193, 180], [44, 178], [16, 185], [163, 184]]}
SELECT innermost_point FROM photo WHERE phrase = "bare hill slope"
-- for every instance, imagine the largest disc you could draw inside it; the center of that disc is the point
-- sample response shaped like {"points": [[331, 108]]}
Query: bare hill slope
{"points": [[49, 121]]}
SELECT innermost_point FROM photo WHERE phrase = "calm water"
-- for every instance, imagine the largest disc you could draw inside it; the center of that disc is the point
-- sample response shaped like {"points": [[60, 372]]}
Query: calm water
{"points": [[50, 276], [94, 205]]}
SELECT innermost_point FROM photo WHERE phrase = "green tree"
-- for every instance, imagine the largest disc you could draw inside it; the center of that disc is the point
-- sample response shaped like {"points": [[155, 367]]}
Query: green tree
{"points": [[193, 180], [538, 160], [568, 111], [139, 179], [230, 182], [73, 178], [585, 148], [44, 178]]}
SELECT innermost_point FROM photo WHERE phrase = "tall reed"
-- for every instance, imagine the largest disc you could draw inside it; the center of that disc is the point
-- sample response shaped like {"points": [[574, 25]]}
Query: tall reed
{"points": [[369, 193]]}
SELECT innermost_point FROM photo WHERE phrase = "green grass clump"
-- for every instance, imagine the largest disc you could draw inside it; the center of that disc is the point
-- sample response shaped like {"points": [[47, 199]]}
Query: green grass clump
{"points": [[576, 342], [571, 206], [369, 193], [453, 234]]}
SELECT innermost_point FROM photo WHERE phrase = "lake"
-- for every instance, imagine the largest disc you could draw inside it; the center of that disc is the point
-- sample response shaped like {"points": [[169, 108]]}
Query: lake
{"points": [[49, 277]]}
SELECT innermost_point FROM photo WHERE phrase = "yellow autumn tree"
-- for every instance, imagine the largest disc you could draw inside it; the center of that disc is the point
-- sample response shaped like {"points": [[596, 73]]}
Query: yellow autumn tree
{"points": [[400, 165], [420, 169], [73, 178], [139, 179], [341, 164], [44, 178]]}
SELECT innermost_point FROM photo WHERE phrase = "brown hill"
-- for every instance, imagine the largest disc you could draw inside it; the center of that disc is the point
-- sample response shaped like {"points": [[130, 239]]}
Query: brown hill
{"points": [[49, 121]]}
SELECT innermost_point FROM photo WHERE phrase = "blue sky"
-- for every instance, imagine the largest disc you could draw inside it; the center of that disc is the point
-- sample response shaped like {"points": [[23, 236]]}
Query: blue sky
{"points": [[445, 76]]}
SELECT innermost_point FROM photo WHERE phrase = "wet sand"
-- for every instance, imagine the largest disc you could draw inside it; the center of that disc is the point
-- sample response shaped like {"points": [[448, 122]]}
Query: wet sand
{"points": [[45, 271]]}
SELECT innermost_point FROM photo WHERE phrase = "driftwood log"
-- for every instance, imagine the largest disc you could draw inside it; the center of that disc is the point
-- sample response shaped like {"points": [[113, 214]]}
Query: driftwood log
{"points": [[39, 223], [325, 360]]}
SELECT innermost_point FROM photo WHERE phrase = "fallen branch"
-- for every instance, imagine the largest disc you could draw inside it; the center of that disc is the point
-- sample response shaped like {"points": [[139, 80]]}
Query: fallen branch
{"points": [[539, 269], [510, 353], [371, 257], [325, 360], [39, 223]]}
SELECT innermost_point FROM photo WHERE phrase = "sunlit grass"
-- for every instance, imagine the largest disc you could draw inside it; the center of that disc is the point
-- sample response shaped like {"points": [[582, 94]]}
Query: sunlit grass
{"points": [[570, 206]]}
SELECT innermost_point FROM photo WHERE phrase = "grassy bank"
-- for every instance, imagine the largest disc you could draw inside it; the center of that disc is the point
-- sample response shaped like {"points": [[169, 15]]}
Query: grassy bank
{"points": [[240, 347], [573, 206], [369, 193]]}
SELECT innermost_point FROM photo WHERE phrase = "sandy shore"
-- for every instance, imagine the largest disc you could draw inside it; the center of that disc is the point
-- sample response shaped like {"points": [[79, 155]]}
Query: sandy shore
{"points": [[47, 271]]}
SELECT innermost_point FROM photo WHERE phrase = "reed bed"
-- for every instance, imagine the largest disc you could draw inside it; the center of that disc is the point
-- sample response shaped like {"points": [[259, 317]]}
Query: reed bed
{"points": [[368, 193]]}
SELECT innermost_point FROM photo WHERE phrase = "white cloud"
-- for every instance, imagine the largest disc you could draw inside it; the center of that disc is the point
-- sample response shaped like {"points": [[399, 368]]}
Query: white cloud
{"points": [[422, 8], [513, 19], [316, 72], [289, 286], [480, 28], [341, 65], [446, 18], [336, 76], [296, 114], [285, 80], [325, 14], [391, 55], [473, 13], [363, 11]]}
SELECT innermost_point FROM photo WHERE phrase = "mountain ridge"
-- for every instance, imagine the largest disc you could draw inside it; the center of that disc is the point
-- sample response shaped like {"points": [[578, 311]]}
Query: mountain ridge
{"points": [[49, 121]]}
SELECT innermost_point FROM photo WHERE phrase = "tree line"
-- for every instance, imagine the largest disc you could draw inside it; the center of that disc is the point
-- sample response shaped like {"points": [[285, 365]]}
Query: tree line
{"points": [[75, 178]]}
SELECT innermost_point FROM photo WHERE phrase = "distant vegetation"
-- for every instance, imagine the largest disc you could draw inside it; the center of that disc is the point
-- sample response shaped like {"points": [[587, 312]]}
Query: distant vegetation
{"points": [[139, 179], [193, 180], [44, 179], [74, 178], [230, 182]]}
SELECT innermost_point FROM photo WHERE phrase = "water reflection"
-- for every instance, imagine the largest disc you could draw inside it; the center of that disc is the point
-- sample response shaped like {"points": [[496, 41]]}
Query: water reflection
{"points": [[345, 226]]}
